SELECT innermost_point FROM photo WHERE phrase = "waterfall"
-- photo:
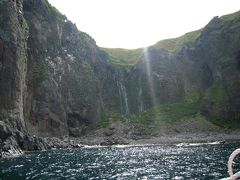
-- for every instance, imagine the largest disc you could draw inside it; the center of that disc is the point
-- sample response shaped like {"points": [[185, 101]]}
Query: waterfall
{"points": [[140, 107], [120, 97], [123, 98], [149, 76]]}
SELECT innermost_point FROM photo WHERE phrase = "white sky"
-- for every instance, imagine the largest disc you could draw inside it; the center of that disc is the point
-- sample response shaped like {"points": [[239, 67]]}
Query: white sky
{"points": [[140, 23]]}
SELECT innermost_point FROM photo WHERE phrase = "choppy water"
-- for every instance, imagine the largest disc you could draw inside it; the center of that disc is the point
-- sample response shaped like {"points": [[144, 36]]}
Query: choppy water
{"points": [[144, 162]]}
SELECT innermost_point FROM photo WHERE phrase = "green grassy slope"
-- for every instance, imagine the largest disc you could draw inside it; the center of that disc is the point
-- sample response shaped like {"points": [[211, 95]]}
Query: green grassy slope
{"points": [[131, 56], [176, 43], [123, 56], [231, 17]]}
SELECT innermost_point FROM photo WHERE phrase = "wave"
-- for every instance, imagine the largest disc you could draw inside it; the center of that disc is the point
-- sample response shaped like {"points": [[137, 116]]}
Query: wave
{"points": [[199, 144]]}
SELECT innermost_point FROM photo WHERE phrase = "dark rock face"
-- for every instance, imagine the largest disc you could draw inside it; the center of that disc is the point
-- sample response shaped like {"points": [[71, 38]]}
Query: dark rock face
{"points": [[63, 83], [155, 79], [13, 58], [206, 72], [56, 82], [217, 47]]}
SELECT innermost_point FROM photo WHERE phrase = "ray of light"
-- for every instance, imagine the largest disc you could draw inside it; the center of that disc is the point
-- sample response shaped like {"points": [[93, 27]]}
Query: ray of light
{"points": [[147, 61]]}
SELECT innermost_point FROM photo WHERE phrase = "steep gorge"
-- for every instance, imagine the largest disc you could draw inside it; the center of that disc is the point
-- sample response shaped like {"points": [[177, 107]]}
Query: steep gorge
{"points": [[56, 82]]}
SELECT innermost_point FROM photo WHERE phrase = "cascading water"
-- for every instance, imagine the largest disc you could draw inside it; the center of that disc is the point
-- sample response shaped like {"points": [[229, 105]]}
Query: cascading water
{"points": [[140, 99], [123, 98], [149, 76]]}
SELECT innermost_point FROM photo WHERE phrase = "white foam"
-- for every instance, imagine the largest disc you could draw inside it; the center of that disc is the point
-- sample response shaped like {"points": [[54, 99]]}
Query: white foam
{"points": [[197, 144]]}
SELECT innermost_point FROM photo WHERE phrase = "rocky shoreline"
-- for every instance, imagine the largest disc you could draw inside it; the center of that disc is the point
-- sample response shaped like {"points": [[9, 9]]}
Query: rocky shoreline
{"points": [[166, 139], [15, 143], [11, 148]]}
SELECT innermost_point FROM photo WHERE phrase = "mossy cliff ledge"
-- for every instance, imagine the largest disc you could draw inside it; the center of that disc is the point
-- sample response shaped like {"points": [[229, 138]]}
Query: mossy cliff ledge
{"points": [[57, 85]]}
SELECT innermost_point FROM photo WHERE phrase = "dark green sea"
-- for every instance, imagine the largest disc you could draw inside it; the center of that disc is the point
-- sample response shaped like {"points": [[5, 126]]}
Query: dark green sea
{"points": [[195, 161]]}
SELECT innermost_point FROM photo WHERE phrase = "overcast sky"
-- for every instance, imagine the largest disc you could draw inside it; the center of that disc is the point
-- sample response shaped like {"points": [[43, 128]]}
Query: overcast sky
{"points": [[140, 23]]}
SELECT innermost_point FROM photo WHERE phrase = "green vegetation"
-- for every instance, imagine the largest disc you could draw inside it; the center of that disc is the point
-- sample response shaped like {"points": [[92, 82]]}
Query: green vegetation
{"points": [[86, 38], [160, 118], [233, 86], [54, 11], [167, 113], [225, 62], [192, 96], [234, 40], [84, 35], [123, 56], [39, 73], [226, 123], [130, 57], [233, 17], [216, 94], [38, 76], [175, 44], [108, 117], [171, 115]]}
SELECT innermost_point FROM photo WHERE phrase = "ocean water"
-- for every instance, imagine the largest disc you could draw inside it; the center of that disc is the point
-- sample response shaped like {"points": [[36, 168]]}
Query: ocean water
{"points": [[194, 161]]}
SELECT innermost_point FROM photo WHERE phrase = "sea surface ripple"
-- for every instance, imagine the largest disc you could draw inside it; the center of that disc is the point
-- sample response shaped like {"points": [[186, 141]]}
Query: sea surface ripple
{"points": [[196, 161]]}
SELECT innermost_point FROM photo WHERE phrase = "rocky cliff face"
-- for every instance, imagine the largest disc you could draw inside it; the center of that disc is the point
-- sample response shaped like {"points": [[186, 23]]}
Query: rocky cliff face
{"points": [[69, 79], [13, 59], [55, 80], [204, 71], [217, 50], [63, 93]]}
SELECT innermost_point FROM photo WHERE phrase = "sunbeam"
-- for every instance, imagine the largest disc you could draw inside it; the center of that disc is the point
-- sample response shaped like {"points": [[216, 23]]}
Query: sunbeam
{"points": [[149, 76]]}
